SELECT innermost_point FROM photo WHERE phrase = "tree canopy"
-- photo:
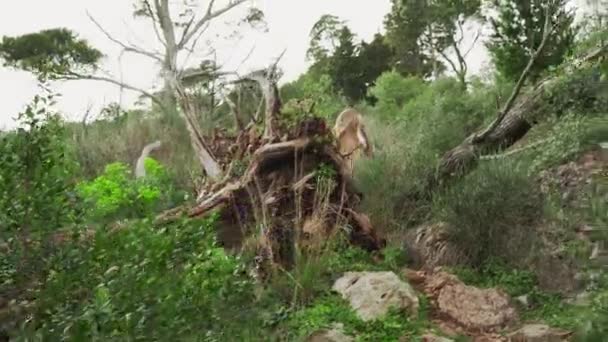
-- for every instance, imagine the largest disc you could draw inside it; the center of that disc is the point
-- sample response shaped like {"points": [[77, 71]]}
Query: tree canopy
{"points": [[53, 53]]}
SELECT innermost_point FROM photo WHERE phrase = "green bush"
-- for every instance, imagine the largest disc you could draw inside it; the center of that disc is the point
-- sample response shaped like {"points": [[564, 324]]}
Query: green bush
{"points": [[492, 212], [406, 150], [36, 173], [393, 91], [145, 283], [116, 194]]}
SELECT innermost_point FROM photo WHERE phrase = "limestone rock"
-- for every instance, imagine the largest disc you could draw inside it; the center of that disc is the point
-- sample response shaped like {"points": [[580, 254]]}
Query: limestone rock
{"points": [[539, 333], [473, 308], [330, 335], [372, 294]]}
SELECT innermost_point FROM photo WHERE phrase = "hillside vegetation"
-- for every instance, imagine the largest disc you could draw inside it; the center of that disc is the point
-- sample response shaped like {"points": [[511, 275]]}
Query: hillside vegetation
{"points": [[247, 219]]}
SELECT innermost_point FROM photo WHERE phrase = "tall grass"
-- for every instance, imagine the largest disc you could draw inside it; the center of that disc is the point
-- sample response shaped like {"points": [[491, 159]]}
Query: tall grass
{"points": [[121, 140]]}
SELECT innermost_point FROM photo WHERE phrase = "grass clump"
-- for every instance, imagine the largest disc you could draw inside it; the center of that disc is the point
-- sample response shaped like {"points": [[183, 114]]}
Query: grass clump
{"points": [[491, 212], [331, 309]]}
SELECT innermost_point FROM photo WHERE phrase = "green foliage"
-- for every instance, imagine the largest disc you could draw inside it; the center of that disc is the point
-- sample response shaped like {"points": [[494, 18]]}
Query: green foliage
{"points": [[490, 212], [567, 137], [36, 198], [144, 283], [393, 91], [35, 173], [49, 53], [594, 327], [351, 67], [121, 138], [325, 31], [405, 25], [518, 32], [116, 194], [331, 309], [317, 88], [493, 273], [418, 133]]}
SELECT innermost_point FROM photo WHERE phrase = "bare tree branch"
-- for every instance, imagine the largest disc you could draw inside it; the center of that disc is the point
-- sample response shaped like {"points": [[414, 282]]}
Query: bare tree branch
{"points": [[547, 31], [210, 15], [76, 76], [127, 48], [189, 25], [472, 44], [154, 22], [268, 83]]}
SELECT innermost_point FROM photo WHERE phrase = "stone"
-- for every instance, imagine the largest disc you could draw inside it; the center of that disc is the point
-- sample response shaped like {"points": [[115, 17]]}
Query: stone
{"points": [[523, 300], [472, 308], [539, 333], [335, 334], [372, 294]]}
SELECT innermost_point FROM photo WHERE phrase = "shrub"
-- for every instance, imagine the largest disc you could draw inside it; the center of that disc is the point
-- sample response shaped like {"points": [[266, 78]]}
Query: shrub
{"points": [[143, 283], [406, 150], [115, 194], [36, 172], [492, 212], [106, 141], [393, 91]]}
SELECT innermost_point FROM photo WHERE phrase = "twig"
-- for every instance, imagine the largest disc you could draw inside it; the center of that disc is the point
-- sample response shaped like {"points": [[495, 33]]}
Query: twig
{"points": [[207, 17], [127, 48], [76, 76]]}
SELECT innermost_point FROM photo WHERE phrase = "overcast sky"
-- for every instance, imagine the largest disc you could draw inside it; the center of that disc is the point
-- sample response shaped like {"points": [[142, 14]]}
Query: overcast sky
{"points": [[289, 23]]}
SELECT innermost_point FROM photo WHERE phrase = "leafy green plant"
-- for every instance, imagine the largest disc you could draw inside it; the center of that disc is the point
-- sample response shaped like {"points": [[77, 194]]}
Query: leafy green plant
{"points": [[331, 309], [116, 194], [144, 283], [393, 91]]}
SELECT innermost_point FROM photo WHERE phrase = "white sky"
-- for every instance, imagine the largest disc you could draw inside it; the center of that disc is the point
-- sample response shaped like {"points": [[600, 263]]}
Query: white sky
{"points": [[289, 23]]}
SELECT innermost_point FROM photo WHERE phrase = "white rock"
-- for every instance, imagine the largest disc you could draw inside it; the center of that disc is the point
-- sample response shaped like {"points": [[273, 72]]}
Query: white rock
{"points": [[372, 294], [332, 335]]}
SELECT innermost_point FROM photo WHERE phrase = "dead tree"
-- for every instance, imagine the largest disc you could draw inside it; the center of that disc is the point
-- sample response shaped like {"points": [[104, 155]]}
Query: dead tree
{"points": [[174, 43]]}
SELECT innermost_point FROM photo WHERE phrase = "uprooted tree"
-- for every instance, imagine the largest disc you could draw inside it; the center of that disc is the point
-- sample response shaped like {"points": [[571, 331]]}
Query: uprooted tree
{"points": [[519, 113], [283, 183]]}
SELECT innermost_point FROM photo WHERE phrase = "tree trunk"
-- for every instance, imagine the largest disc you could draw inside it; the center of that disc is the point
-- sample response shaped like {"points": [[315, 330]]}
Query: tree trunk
{"points": [[513, 127]]}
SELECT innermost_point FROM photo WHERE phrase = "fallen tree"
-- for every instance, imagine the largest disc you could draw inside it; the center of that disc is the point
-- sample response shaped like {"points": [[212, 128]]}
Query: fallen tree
{"points": [[513, 121], [287, 186]]}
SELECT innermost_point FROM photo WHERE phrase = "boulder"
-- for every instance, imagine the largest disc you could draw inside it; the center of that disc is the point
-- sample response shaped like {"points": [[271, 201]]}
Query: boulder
{"points": [[372, 294], [472, 308], [539, 333], [330, 335]]}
